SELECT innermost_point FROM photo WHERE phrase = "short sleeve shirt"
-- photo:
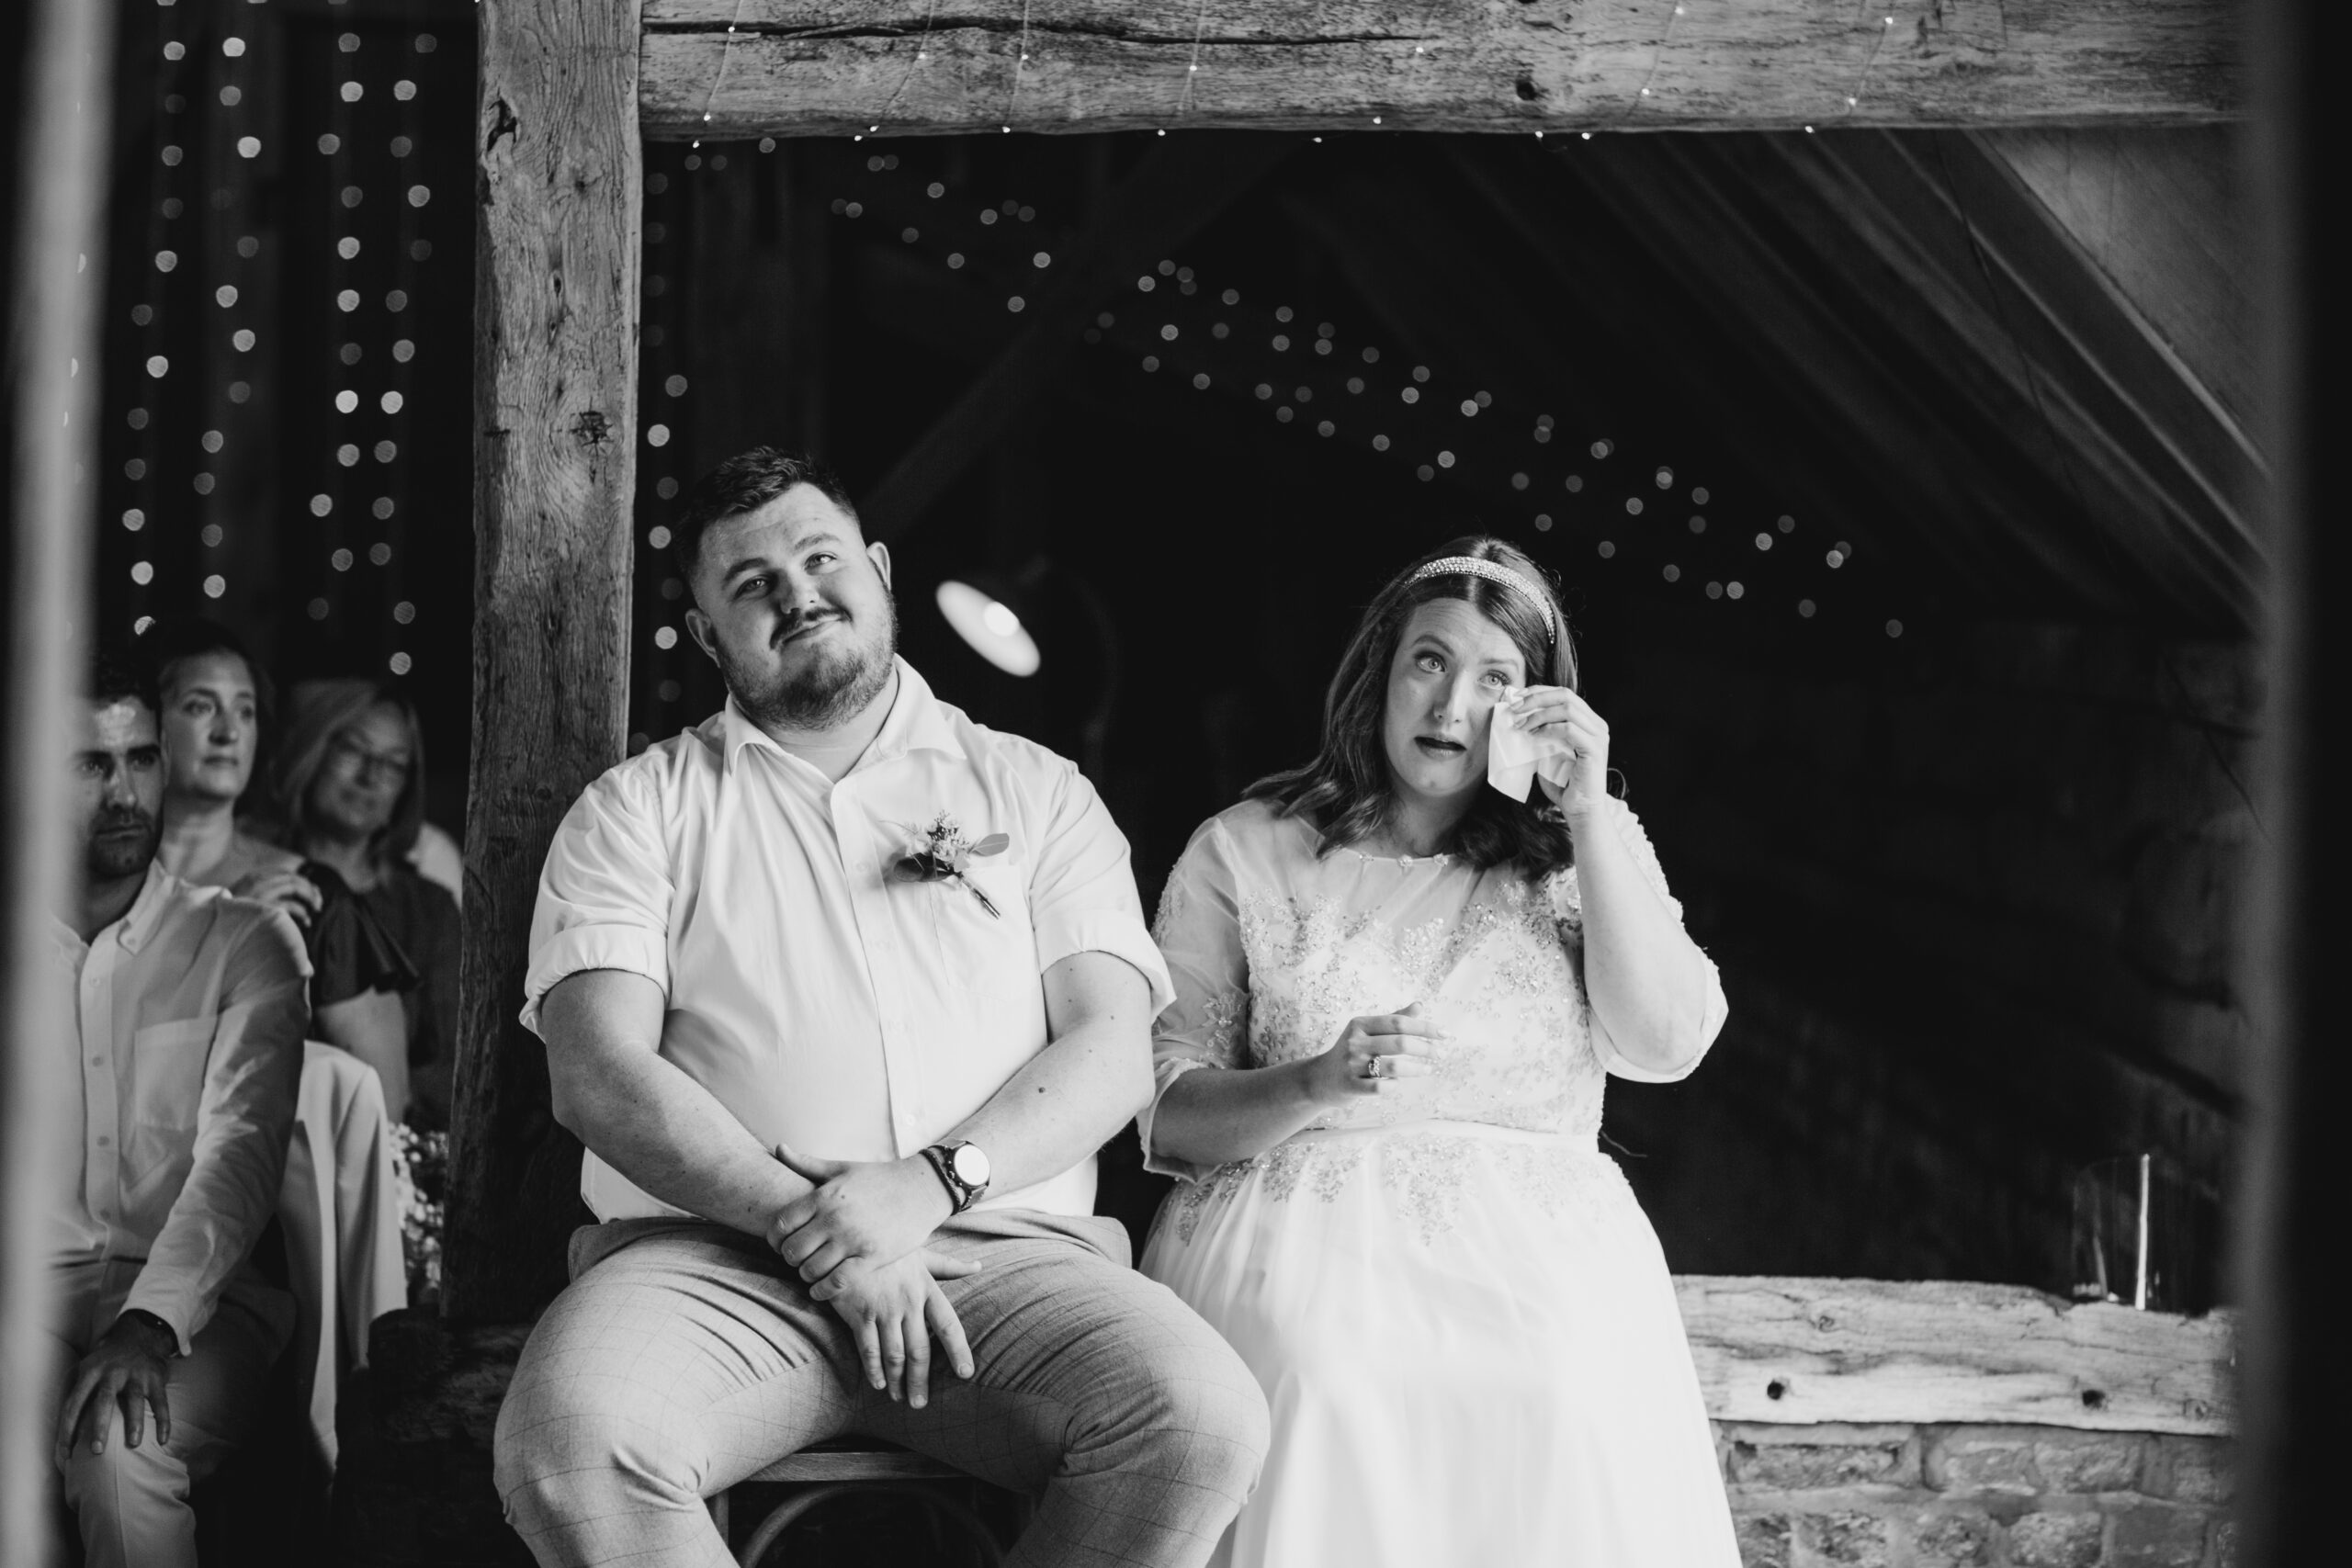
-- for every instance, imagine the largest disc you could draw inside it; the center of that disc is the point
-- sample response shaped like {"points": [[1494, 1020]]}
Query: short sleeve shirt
{"points": [[825, 1004]]}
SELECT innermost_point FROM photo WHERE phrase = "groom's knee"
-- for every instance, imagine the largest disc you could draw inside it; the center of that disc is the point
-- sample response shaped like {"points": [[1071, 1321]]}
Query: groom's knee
{"points": [[569, 1446], [1200, 1417]]}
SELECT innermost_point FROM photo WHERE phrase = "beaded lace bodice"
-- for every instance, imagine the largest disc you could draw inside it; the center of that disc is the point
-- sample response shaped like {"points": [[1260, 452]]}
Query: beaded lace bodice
{"points": [[1274, 949], [1497, 972]]}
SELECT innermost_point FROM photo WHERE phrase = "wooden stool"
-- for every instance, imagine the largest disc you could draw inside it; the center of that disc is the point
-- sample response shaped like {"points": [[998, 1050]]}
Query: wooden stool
{"points": [[818, 1475]]}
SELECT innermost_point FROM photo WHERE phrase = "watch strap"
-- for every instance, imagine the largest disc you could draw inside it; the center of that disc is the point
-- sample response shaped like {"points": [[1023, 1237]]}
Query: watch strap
{"points": [[943, 1165]]}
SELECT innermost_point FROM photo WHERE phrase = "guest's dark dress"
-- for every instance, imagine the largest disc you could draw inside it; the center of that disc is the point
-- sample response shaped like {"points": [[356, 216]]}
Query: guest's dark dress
{"points": [[422, 918], [353, 952]]}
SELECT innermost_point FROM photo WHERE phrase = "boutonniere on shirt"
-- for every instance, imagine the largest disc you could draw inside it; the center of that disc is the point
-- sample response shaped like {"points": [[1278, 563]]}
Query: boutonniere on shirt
{"points": [[941, 853]]}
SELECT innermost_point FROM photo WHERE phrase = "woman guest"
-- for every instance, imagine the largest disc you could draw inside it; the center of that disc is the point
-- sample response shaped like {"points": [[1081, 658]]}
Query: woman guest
{"points": [[214, 706], [350, 781], [1399, 991]]}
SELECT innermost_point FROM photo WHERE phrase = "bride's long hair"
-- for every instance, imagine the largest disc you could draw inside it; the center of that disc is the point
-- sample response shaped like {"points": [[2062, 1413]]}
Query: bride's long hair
{"points": [[1347, 791]]}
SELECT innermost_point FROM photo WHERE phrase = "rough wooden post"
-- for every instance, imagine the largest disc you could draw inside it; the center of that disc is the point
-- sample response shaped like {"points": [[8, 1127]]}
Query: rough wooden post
{"points": [[555, 406]]}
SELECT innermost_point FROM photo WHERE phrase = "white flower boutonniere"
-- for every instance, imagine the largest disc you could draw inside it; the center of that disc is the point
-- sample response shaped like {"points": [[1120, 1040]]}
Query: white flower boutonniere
{"points": [[941, 853]]}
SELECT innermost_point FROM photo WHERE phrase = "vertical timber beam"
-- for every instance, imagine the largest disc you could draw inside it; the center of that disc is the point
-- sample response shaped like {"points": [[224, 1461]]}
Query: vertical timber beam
{"points": [[52, 190], [555, 409]]}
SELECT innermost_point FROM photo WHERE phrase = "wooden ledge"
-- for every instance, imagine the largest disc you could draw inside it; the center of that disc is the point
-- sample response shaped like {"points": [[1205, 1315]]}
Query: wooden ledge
{"points": [[1870, 1350], [737, 68], [1768, 1349]]}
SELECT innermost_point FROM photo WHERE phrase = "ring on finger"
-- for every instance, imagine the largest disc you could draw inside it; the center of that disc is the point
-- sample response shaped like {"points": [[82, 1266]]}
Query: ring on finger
{"points": [[1372, 1068]]}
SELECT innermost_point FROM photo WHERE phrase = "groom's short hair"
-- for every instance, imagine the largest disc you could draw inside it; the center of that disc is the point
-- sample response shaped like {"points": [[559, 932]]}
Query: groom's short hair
{"points": [[746, 482]]}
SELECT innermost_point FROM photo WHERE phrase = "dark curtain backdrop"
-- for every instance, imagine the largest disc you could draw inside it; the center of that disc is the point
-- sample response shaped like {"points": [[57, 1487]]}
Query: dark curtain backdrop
{"points": [[289, 339]]}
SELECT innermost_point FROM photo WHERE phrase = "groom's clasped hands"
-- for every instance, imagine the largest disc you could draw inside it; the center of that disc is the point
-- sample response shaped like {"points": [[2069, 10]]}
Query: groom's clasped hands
{"points": [[856, 1238]]}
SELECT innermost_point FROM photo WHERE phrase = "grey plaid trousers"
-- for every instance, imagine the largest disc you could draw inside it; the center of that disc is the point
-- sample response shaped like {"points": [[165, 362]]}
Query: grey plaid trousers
{"points": [[686, 1356]]}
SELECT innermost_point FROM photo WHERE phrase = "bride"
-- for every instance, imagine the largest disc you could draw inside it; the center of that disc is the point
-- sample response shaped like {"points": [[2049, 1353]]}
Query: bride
{"points": [[1398, 991]]}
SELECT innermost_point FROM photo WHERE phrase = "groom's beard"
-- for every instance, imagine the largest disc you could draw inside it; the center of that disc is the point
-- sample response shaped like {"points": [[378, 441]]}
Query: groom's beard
{"points": [[825, 688]]}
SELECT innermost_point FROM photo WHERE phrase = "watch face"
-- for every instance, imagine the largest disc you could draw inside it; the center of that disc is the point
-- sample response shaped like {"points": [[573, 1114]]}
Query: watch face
{"points": [[971, 1166]]}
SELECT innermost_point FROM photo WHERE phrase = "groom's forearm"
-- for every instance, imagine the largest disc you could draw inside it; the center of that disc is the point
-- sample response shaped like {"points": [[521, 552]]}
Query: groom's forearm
{"points": [[664, 1131], [1069, 1099], [642, 1116]]}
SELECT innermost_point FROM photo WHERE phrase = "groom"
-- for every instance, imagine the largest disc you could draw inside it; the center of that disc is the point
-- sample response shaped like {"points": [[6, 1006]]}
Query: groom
{"points": [[842, 991]]}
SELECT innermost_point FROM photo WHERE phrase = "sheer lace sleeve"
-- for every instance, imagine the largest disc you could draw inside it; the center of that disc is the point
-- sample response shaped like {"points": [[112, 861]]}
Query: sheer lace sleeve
{"points": [[1568, 905], [1199, 932]]}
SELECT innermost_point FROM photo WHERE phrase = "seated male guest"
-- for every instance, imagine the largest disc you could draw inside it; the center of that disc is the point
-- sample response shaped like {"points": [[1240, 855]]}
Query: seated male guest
{"points": [[842, 991], [189, 1009]]}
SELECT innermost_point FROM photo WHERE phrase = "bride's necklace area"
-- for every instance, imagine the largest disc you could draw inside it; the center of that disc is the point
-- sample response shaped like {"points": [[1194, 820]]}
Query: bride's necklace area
{"points": [[1381, 844], [1375, 849]]}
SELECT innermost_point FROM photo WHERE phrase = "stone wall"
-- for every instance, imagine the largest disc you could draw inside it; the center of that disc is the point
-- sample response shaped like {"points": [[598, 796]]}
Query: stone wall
{"points": [[1973, 1496]]}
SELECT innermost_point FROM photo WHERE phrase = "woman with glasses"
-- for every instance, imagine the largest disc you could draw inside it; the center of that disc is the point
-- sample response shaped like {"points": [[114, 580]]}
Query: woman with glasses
{"points": [[216, 704], [350, 785]]}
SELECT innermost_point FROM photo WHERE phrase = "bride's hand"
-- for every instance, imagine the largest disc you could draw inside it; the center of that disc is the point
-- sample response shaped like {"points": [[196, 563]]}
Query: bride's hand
{"points": [[1375, 1050], [1558, 713]]}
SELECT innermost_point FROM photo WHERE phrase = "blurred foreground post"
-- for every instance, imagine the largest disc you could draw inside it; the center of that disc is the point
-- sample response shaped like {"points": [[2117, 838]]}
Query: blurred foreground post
{"points": [[53, 189], [2298, 1361]]}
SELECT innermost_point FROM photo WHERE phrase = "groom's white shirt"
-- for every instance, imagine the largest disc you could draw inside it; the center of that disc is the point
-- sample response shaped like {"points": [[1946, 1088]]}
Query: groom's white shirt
{"points": [[824, 1005]]}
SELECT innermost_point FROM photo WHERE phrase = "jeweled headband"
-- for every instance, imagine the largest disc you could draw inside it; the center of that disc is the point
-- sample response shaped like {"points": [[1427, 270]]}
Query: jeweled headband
{"points": [[1471, 566]]}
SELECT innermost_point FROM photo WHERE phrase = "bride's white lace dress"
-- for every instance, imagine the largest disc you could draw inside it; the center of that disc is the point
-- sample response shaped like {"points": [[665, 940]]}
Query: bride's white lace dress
{"points": [[1461, 1318]]}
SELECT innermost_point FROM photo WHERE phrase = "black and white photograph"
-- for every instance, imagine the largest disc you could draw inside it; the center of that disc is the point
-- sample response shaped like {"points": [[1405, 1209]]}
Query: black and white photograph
{"points": [[1171, 783]]}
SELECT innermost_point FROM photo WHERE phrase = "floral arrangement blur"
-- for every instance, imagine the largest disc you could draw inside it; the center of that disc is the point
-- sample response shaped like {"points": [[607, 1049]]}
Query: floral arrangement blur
{"points": [[421, 1165]]}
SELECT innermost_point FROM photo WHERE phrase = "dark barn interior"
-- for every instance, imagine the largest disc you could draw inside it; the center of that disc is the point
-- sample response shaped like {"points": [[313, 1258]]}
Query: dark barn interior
{"points": [[1920, 607], [1898, 481]]}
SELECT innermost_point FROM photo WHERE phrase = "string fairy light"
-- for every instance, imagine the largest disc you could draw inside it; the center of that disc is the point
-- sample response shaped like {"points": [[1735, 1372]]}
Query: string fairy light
{"points": [[1658, 58], [657, 467], [409, 250], [1167, 346], [1020, 66], [332, 504], [1193, 71], [1447, 454], [1421, 51], [725, 52], [197, 481], [1862, 83], [141, 468], [222, 419], [922, 54]]}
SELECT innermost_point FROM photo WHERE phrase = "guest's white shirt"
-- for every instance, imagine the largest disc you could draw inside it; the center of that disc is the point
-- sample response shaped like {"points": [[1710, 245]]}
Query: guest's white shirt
{"points": [[825, 1006], [189, 1014]]}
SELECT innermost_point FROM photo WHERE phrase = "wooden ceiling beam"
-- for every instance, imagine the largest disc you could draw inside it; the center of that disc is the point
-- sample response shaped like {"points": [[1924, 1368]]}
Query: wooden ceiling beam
{"points": [[741, 68]]}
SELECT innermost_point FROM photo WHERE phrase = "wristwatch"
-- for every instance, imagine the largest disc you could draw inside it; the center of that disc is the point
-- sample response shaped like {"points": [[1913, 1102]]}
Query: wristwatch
{"points": [[963, 1169]]}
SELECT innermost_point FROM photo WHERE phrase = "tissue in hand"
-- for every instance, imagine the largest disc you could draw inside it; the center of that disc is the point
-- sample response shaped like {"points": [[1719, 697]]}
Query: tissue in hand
{"points": [[1515, 758]]}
